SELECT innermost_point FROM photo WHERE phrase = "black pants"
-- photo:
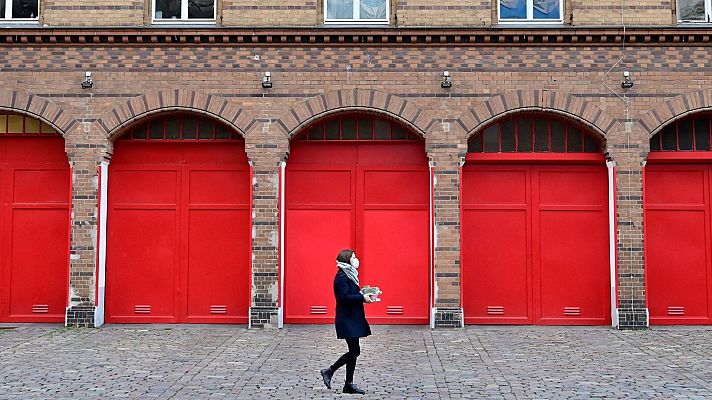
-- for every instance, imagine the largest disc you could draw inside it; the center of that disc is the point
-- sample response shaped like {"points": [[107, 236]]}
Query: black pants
{"points": [[349, 359]]}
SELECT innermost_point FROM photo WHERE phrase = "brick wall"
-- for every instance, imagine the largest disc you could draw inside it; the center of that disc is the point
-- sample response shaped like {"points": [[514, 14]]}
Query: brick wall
{"points": [[223, 81], [613, 12], [403, 13], [271, 13], [443, 13], [93, 13]]}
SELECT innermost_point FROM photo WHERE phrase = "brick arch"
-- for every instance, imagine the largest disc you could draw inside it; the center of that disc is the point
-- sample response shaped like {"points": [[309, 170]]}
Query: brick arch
{"points": [[351, 100], [677, 107], [113, 121], [20, 102], [479, 116]]}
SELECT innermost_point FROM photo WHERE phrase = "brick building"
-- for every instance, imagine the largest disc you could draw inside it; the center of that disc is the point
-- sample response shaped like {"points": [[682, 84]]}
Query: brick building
{"points": [[203, 161]]}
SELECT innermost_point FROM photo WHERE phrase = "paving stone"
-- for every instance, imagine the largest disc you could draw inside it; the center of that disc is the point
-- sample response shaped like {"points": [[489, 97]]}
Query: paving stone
{"points": [[397, 362]]}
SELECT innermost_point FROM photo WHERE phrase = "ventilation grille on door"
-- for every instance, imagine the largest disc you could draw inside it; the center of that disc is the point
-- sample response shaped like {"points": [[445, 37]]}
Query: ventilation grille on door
{"points": [[676, 310], [40, 309], [142, 309], [572, 311], [495, 310], [318, 310], [218, 309], [394, 310]]}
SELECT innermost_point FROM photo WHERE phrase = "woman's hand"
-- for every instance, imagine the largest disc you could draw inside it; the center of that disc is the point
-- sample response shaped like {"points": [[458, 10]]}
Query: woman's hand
{"points": [[367, 298]]}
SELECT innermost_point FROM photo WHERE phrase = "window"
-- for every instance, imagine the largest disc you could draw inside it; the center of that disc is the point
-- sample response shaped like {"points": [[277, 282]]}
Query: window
{"points": [[687, 134], [181, 128], [694, 10], [533, 134], [531, 11], [196, 11], [357, 127], [21, 10], [21, 125], [356, 11]]}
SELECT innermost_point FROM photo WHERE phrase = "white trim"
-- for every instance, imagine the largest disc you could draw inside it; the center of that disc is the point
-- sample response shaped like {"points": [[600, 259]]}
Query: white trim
{"points": [[8, 14], [530, 15], [103, 205], [280, 311], [184, 15], [356, 19], [431, 226], [612, 241]]}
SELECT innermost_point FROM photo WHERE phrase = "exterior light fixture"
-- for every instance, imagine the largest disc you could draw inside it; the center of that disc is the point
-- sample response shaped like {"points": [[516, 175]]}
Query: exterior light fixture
{"points": [[267, 80], [627, 83], [447, 82], [88, 82]]}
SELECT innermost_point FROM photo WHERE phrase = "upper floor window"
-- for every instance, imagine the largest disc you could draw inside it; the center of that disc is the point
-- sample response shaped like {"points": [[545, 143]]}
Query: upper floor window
{"points": [[531, 11], [195, 11], [20, 10], [694, 10], [356, 11]]}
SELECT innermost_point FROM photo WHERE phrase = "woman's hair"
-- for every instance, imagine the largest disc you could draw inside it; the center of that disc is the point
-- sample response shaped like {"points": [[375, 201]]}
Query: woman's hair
{"points": [[345, 256]]}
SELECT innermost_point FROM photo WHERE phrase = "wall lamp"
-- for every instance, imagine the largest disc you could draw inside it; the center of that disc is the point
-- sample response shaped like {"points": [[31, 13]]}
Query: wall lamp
{"points": [[267, 80], [627, 83], [447, 82], [88, 82]]}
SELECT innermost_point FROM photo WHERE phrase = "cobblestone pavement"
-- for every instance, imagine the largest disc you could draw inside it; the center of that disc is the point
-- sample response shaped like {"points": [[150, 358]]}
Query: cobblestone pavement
{"points": [[399, 362]]}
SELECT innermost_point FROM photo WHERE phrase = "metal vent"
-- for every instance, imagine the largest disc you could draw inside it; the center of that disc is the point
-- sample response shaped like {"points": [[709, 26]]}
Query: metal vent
{"points": [[676, 310], [40, 309], [318, 310], [572, 311], [222, 309], [495, 310], [394, 310], [142, 309]]}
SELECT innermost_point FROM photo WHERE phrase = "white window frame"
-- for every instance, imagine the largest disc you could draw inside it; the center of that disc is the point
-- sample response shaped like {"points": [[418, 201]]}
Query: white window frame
{"points": [[708, 14], [356, 19], [8, 14], [184, 15], [530, 15]]}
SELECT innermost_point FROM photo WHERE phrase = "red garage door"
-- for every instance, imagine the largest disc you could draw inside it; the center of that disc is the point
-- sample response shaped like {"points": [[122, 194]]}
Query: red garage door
{"points": [[359, 183], [35, 200], [535, 233], [178, 237], [678, 225]]}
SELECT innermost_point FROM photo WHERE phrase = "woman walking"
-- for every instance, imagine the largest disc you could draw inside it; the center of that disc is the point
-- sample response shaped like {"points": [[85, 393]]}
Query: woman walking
{"points": [[351, 321]]}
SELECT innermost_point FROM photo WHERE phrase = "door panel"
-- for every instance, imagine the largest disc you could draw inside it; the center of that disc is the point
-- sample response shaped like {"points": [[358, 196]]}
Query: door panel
{"points": [[535, 244], [34, 217], [677, 223], [179, 235], [373, 199], [572, 268], [395, 258]]}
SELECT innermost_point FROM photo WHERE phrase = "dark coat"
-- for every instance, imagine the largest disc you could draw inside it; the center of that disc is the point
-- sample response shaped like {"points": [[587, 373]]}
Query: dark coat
{"points": [[350, 317]]}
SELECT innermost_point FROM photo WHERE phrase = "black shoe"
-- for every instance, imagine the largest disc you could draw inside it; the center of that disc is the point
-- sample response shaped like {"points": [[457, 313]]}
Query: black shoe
{"points": [[351, 388], [326, 374]]}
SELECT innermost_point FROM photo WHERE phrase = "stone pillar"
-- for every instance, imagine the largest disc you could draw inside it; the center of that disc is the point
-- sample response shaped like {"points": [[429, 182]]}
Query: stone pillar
{"points": [[628, 148], [266, 148], [85, 152], [446, 153]]}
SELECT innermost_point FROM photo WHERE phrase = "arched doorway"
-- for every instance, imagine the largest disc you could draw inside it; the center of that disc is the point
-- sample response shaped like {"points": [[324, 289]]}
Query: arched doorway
{"points": [[535, 230], [360, 182], [678, 225], [35, 198], [178, 224]]}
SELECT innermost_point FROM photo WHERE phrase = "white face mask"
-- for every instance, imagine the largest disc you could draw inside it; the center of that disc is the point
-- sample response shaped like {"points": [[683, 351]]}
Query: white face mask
{"points": [[355, 262]]}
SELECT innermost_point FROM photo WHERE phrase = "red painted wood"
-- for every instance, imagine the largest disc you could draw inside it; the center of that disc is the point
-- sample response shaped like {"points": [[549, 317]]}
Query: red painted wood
{"points": [[534, 243], [34, 213], [368, 196], [178, 233], [677, 220]]}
